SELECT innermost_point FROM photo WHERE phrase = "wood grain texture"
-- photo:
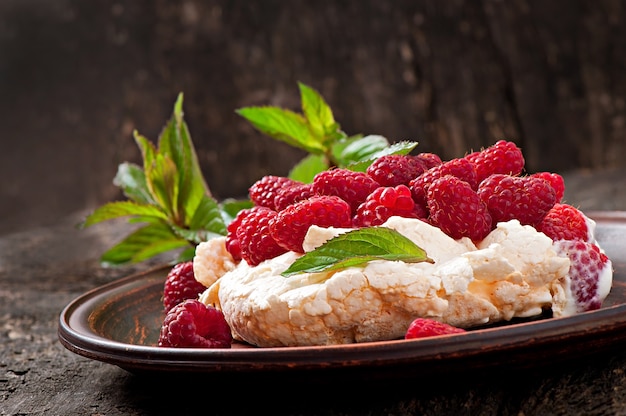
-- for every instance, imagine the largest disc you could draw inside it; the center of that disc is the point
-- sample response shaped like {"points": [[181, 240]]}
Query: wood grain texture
{"points": [[78, 77]]}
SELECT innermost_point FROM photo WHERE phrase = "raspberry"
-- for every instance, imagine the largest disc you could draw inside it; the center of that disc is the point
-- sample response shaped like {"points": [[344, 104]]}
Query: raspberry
{"points": [[502, 157], [232, 242], [525, 198], [460, 167], [587, 264], [564, 222], [254, 236], [180, 285], [353, 187], [423, 327], [291, 224], [263, 191], [392, 170], [430, 160], [385, 202], [556, 180], [457, 209], [295, 193], [194, 324]]}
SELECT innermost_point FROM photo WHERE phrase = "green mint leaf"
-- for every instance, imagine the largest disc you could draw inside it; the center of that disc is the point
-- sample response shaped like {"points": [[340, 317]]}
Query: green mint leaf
{"points": [[307, 168], [208, 217], [119, 209], [230, 207], [148, 151], [142, 244], [175, 142], [187, 254], [399, 148], [356, 149], [131, 179], [162, 180], [283, 125], [358, 247], [318, 114]]}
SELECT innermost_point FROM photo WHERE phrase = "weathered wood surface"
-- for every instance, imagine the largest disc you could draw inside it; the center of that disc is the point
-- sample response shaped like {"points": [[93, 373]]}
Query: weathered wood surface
{"points": [[77, 77], [43, 269]]}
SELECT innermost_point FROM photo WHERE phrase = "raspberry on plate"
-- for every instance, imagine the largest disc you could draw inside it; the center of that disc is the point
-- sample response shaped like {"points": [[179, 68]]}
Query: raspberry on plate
{"points": [[588, 272], [289, 195], [423, 328], [459, 167], [556, 180], [233, 246], [564, 222], [353, 187], [393, 170], [430, 160], [457, 209], [386, 202], [193, 324], [525, 198], [255, 240], [263, 191], [501, 157], [180, 285], [290, 225]]}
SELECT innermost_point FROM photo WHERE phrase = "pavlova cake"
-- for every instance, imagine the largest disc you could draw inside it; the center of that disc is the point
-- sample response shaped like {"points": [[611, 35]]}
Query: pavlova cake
{"points": [[359, 256]]}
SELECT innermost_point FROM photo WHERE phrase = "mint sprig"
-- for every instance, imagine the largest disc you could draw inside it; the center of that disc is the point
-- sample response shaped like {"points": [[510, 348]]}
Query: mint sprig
{"points": [[170, 196], [168, 193], [356, 248], [316, 131]]}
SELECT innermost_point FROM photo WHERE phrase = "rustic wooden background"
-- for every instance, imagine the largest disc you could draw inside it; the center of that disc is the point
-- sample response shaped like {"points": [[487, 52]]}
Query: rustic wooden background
{"points": [[76, 77]]}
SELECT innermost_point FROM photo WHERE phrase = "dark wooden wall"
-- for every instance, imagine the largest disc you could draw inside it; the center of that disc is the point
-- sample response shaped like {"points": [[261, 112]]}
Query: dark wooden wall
{"points": [[76, 77]]}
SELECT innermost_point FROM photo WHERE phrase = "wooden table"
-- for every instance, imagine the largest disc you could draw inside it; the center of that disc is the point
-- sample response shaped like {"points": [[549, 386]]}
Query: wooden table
{"points": [[43, 269]]}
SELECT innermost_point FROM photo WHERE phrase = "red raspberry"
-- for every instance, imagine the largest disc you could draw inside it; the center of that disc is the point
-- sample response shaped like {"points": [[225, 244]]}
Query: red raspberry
{"points": [[587, 263], [353, 187], [254, 237], [392, 170], [460, 167], [457, 209], [193, 324], [524, 198], [564, 222], [180, 285], [430, 160], [557, 182], [232, 242], [502, 157], [287, 196], [385, 202], [263, 191], [291, 224], [423, 328]]}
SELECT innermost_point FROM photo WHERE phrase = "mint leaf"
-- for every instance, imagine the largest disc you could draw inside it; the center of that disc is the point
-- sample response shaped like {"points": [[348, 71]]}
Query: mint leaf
{"points": [[175, 143], [283, 125], [119, 209], [358, 148], [307, 168], [208, 217], [318, 115], [162, 181], [144, 243], [230, 207], [399, 148], [358, 247], [131, 179]]}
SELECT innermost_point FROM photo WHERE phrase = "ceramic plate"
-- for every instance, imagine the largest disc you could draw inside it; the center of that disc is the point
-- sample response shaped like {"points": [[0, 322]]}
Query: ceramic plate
{"points": [[119, 324]]}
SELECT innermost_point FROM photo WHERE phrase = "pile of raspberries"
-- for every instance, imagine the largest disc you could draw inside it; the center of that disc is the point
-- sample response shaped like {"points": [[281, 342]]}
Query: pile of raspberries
{"points": [[464, 197]]}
